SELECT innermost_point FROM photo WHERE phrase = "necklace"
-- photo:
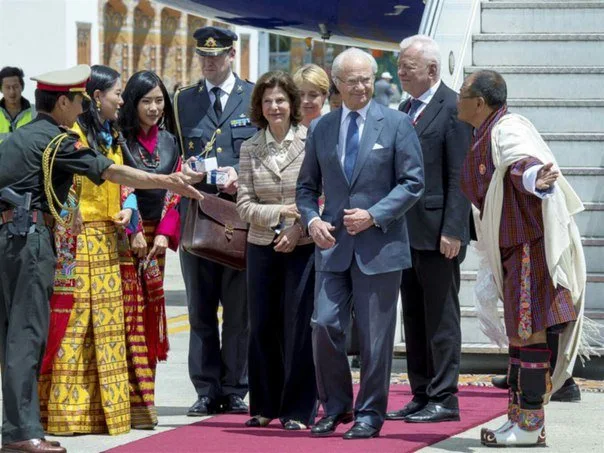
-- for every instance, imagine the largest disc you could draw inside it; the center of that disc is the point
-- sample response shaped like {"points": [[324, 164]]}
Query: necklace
{"points": [[154, 162]]}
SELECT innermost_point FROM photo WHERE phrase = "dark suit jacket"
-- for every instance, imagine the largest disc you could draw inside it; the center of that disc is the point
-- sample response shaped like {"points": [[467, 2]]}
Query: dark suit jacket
{"points": [[197, 123], [443, 209], [387, 180]]}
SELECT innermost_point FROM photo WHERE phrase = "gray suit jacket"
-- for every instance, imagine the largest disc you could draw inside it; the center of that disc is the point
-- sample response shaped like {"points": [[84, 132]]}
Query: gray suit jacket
{"points": [[388, 179]]}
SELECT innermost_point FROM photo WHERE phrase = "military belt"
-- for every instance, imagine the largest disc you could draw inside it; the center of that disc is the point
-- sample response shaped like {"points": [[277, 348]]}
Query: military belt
{"points": [[37, 217]]}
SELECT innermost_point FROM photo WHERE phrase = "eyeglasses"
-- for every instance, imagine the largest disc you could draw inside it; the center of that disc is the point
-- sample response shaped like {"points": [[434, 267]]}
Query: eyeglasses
{"points": [[365, 81]]}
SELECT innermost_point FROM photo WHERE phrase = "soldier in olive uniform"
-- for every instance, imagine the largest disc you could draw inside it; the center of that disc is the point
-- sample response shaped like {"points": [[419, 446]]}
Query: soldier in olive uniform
{"points": [[27, 257], [213, 121]]}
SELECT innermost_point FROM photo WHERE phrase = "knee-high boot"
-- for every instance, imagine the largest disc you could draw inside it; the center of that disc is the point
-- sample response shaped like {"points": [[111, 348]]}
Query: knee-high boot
{"points": [[533, 383], [527, 427], [512, 380]]}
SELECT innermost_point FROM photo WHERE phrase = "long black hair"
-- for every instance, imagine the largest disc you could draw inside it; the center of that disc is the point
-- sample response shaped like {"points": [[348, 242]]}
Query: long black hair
{"points": [[102, 78], [137, 87]]}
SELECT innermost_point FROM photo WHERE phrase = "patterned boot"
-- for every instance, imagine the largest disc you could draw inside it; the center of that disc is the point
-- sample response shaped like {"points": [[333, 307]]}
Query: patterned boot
{"points": [[512, 380], [527, 429]]}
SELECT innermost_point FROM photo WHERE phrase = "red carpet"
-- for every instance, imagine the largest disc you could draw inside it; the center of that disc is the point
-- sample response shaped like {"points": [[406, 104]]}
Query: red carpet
{"points": [[226, 433]]}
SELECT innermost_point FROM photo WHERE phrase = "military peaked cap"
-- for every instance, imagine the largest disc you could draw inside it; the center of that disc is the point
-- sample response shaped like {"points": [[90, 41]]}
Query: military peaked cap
{"points": [[214, 41], [73, 79]]}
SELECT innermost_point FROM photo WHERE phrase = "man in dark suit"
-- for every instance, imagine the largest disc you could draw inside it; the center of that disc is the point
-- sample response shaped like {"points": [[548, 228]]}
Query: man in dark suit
{"points": [[212, 117], [439, 232], [367, 161]]}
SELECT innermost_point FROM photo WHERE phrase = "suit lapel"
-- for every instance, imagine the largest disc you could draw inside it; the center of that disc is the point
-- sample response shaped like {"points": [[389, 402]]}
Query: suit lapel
{"points": [[431, 110], [371, 131], [331, 140], [262, 154], [296, 147], [233, 101]]}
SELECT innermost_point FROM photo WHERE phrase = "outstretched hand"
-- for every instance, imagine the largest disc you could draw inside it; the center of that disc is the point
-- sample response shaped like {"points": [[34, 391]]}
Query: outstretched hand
{"points": [[179, 183], [546, 177], [192, 176]]}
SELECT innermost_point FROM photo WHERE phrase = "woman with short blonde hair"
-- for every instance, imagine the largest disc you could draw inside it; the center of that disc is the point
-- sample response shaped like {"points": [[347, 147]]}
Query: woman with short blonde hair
{"points": [[313, 83]]}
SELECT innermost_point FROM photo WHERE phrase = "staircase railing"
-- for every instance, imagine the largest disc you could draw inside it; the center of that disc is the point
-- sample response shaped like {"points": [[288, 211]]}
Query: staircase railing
{"points": [[430, 18], [466, 44], [430, 23]]}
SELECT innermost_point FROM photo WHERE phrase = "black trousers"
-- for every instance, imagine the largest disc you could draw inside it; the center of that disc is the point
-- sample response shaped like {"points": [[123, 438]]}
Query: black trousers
{"points": [[27, 269], [281, 301], [217, 366], [431, 317]]}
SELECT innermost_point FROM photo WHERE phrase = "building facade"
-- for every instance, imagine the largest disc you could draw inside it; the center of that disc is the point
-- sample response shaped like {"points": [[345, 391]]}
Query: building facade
{"points": [[128, 35]]}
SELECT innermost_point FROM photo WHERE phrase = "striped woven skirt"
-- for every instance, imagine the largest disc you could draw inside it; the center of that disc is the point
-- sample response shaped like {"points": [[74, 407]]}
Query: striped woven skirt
{"points": [[87, 389], [144, 313], [531, 302]]}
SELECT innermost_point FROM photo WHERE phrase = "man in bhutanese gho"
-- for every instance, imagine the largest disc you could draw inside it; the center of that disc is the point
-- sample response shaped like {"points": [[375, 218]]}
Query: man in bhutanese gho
{"points": [[533, 247]]}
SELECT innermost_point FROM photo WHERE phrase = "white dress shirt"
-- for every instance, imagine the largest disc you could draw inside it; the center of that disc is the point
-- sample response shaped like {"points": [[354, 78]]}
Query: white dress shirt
{"points": [[344, 122], [425, 100], [278, 151], [225, 90]]}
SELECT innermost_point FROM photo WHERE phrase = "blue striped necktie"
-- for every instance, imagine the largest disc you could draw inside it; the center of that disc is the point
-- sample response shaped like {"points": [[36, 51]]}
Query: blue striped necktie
{"points": [[352, 145], [415, 104]]}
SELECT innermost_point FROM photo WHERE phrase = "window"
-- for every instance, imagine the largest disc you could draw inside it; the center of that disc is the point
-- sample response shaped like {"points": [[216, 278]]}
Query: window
{"points": [[84, 53]]}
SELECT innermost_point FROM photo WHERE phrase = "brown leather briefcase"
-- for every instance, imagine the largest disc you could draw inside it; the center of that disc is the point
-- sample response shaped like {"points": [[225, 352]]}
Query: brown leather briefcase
{"points": [[213, 230]]}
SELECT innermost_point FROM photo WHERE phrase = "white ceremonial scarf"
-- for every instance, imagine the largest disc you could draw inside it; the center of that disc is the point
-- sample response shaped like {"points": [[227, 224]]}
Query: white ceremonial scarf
{"points": [[514, 138]]}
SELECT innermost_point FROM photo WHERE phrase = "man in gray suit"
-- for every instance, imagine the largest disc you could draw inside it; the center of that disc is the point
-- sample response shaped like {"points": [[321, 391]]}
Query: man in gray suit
{"points": [[367, 161]]}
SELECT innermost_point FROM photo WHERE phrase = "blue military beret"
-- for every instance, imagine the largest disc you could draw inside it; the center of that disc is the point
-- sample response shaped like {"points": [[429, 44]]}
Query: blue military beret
{"points": [[214, 41]]}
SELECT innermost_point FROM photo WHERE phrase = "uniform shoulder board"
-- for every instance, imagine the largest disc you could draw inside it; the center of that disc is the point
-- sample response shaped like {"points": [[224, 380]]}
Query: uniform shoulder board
{"points": [[69, 132], [188, 87], [73, 136]]}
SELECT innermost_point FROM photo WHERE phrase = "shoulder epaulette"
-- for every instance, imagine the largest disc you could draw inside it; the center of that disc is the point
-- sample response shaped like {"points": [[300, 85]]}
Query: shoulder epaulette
{"points": [[187, 87], [69, 132]]}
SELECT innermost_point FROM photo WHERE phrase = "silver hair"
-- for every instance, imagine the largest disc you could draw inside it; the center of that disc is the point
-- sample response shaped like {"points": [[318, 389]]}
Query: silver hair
{"points": [[429, 47], [352, 52]]}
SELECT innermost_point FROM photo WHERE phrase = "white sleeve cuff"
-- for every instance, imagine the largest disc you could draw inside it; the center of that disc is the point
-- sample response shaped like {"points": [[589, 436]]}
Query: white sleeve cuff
{"points": [[311, 221], [529, 179]]}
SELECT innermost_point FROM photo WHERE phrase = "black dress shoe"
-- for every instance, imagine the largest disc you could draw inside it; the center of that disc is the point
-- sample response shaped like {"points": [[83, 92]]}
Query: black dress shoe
{"points": [[411, 408], [567, 393], [361, 430], [202, 407], [234, 404], [501, 382], [432, 413], [328, 424]]}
